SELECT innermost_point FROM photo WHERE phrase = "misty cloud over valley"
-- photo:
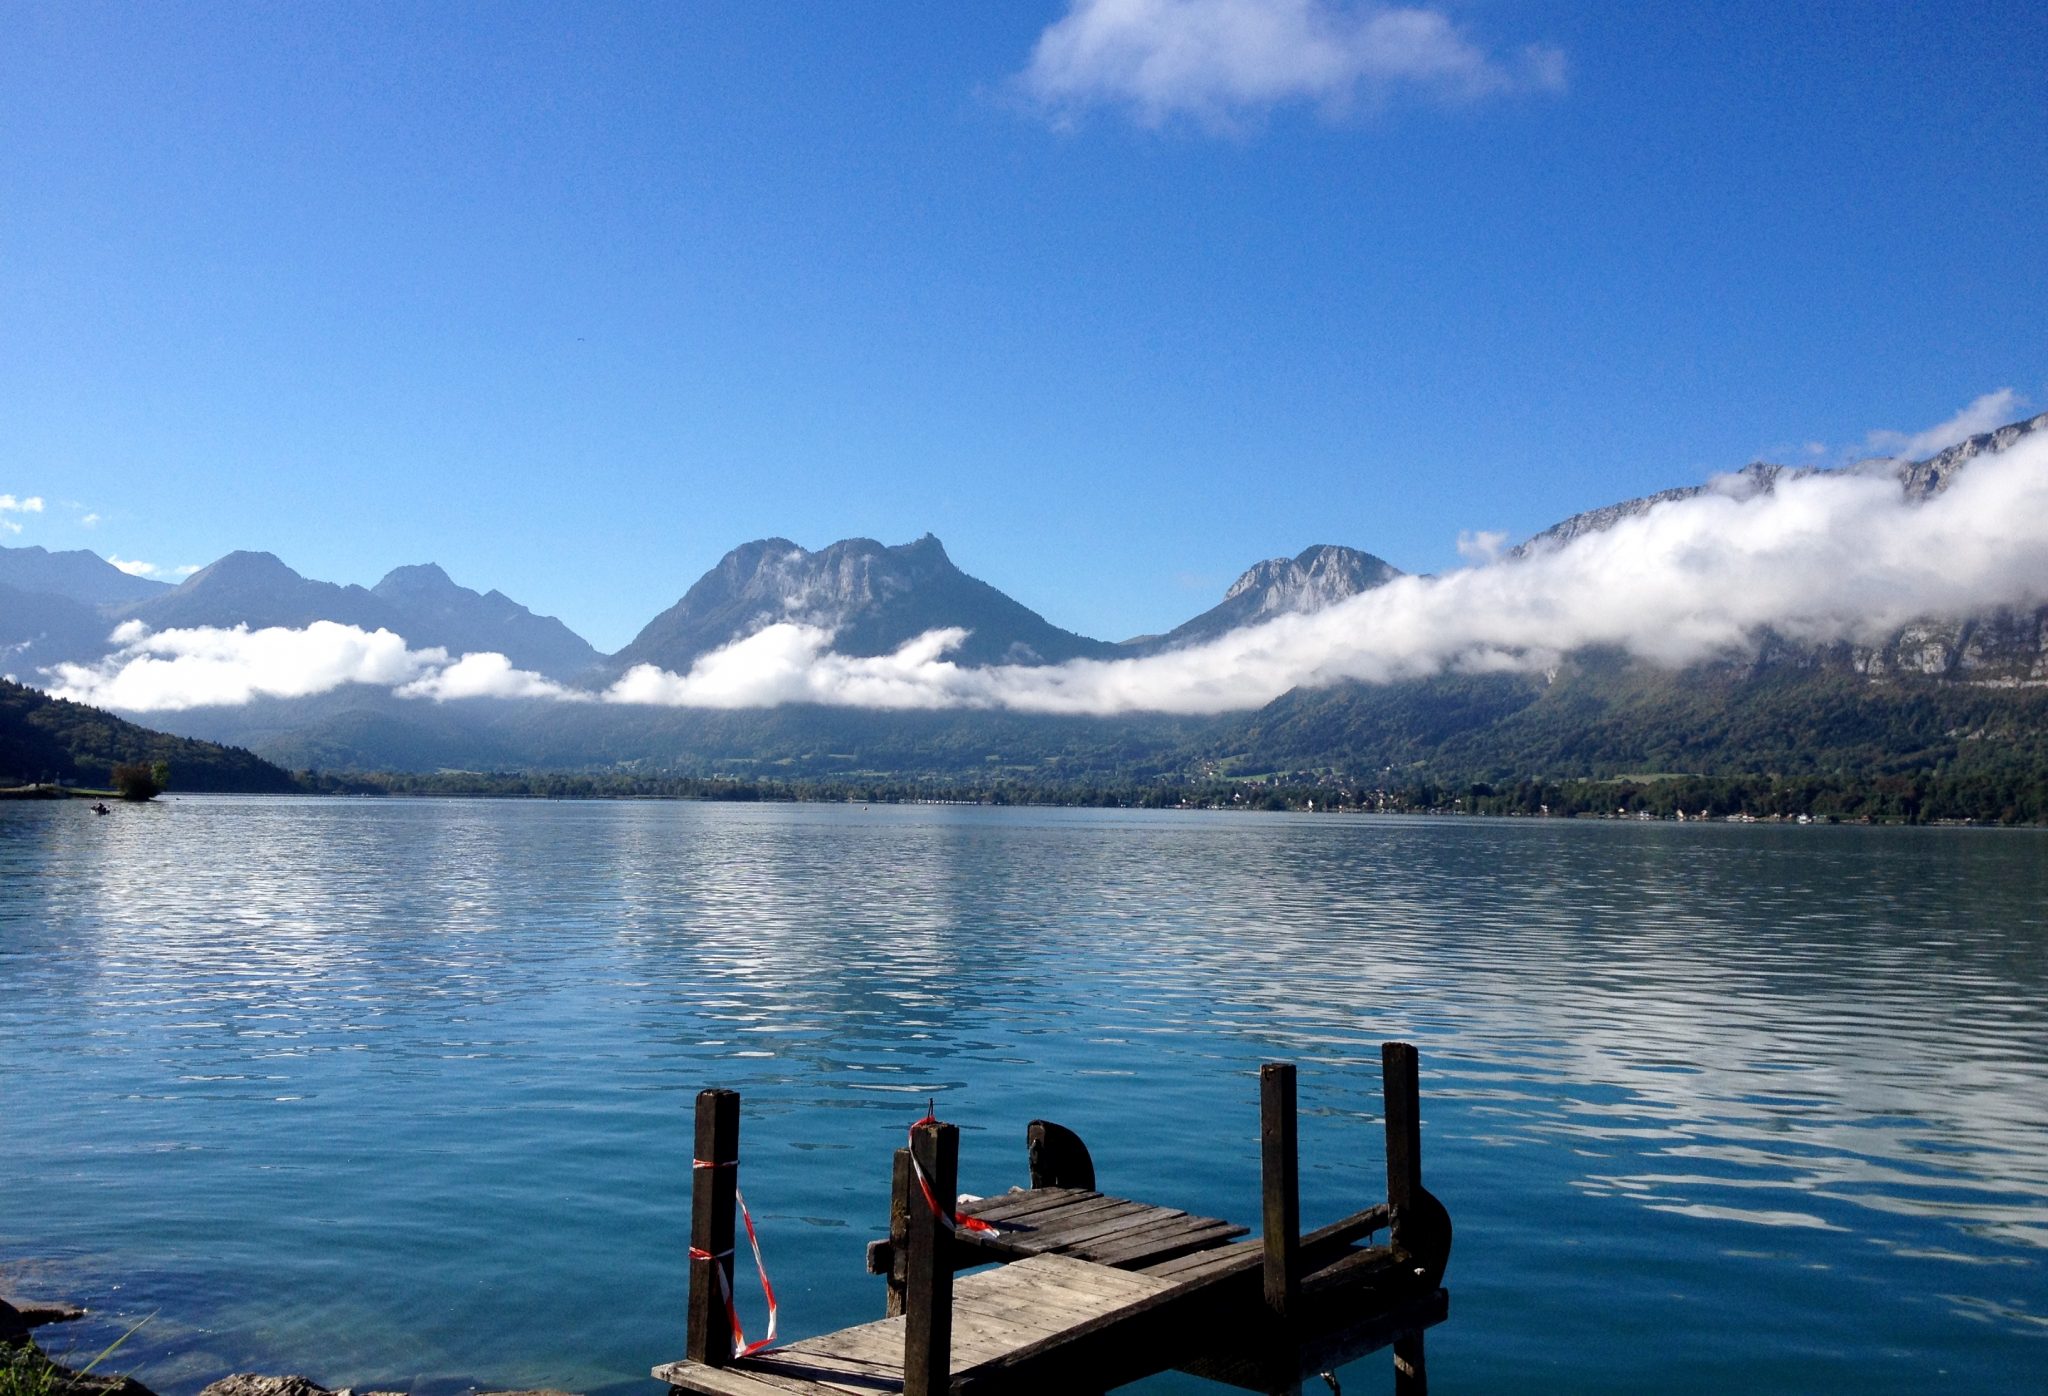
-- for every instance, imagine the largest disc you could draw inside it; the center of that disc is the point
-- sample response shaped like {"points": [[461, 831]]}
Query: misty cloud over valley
{"points": [[1815, 557]]}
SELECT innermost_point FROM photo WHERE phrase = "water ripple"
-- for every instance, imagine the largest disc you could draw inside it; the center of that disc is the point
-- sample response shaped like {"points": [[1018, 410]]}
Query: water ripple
{"points": [[398, 1089]]}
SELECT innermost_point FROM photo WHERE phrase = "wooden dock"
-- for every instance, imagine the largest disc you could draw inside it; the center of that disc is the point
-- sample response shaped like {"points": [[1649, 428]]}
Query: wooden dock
{"points": [[1088, 1291]]}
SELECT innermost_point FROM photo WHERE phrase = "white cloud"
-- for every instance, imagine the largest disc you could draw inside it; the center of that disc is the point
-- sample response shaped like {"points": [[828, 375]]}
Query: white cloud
{"points": [[487, 676], [206, 666], [1219, 60], [90, 521], [1987, 413], [1826, 557], [1481, 545], [136, 568], [203, 667], [793, 663], [33, 504]]}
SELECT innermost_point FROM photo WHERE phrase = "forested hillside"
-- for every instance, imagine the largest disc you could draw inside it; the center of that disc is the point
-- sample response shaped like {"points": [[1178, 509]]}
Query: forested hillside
{"points": [[48, 739]]}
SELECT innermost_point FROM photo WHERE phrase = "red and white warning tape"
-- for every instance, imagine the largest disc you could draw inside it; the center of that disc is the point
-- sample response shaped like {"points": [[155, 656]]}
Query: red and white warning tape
{"points": [[740, 1346], [952, 1221]]}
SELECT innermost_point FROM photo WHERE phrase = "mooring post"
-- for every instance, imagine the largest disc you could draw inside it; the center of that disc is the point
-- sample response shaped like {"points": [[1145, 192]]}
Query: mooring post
{"points": [[899, 1216], [714, 1179], [1280, 1187], [1057, 1157], [1411, 1376], [928, 1273], [1404, 1137], [1401, 1087]]}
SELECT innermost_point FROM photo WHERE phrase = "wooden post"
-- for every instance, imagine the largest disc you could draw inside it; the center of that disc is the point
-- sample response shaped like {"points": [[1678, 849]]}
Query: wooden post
{"points": [[1402, 1091], [928, 1275], [1411, 1375], [1279, 1186], [711, 1214], [900, 1186], [1404, 1137], [1057, 1157]]}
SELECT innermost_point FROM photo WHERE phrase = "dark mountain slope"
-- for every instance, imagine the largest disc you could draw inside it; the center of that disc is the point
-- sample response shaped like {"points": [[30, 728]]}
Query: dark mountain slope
{"points": [[433, 610], [48, 739], [77, 575], [257, 590], [38, 629], [1604, 715]]}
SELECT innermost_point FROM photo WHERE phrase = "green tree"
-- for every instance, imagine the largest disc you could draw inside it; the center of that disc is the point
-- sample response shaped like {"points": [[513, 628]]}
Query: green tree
{"points": [[136, 781]]}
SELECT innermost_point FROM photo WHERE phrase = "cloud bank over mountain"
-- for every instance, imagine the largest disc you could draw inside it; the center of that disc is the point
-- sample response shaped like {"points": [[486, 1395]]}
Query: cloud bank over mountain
{"points": [[1985, 413], [157, 671], [1831, 556]]}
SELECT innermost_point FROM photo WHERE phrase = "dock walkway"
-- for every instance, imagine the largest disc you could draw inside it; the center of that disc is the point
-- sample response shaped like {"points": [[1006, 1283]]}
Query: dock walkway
{"points": [[1089, 1290]]}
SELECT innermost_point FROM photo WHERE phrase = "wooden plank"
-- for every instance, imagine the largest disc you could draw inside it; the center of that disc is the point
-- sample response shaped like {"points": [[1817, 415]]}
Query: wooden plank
{"points": [[1318, 1247], [1279, 1187], [1057, 1296], [820, 1376], [1063, 1216], [1076, 1224], [1120, 1346], [1051, 1310], [1080, 1226], [1017, 1204], [1142, 1234], [1367, 1267], [1138, 1252], [1188, 1266], [721, 1381]]}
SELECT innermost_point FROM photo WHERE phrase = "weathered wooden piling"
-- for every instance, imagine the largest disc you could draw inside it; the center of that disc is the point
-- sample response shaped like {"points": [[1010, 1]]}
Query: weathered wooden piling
{"points": [[1279, 1189], [900, 1184], [1056, 1157], [928, 1268], [714, 1184], [1398, 1077]]}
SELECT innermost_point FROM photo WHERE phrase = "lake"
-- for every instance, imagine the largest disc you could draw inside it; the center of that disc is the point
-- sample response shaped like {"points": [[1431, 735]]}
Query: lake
{"points": [[399, 1092]]}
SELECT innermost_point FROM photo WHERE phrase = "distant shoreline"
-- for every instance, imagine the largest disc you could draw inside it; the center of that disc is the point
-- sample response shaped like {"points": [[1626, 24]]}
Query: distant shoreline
{"points": [[52, 791], [1687, 800]]}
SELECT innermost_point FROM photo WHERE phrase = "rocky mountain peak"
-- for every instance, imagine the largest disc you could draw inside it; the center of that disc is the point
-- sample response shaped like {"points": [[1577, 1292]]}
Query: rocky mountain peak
{"points": [[422, 578], [1312, 579], [873, 597], [242, 569]]}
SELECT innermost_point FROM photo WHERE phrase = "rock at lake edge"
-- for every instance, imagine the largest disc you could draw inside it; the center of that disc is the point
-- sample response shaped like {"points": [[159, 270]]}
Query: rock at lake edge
{"points": [[250, 1384]]}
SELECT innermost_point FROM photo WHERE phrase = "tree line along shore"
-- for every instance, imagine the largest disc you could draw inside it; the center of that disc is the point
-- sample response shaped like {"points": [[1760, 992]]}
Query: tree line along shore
{"points": [[50, 748]]}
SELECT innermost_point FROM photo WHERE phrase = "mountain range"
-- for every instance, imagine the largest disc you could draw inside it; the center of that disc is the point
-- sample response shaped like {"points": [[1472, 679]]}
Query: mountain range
{"points": [[62, 607], [1594, 714]]}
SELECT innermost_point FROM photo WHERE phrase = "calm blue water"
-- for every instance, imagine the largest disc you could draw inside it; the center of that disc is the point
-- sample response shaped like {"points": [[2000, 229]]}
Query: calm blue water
{"points": [[399, 1093]]}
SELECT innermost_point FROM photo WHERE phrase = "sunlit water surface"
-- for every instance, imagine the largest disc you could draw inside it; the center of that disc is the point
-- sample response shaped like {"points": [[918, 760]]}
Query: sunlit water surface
{"points": [[399, 1093]]}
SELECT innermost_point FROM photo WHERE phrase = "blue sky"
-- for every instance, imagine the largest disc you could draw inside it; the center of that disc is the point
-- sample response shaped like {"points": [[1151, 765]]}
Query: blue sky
{"points": [[573, 299]]}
